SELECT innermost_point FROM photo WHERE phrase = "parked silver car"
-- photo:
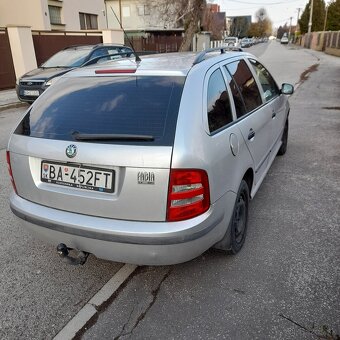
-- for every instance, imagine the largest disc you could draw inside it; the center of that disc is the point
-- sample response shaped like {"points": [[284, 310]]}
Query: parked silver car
{"points": [[232, 42], [284, 40], [246, 42], [152, 161]]}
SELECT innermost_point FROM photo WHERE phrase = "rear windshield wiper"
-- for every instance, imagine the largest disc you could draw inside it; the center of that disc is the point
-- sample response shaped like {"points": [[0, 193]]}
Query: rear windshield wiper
{"points": [[110, 136]]}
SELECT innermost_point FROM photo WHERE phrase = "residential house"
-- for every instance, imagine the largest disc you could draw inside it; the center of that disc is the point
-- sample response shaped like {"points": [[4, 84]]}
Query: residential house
{"points": [[53, 15]]}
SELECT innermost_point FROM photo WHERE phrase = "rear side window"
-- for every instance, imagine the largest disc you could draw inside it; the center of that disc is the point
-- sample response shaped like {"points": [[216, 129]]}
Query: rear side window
{"points": [[268, 84], [219, 110], [128, 105], [246, 84], [240, 108], [99, 52]]}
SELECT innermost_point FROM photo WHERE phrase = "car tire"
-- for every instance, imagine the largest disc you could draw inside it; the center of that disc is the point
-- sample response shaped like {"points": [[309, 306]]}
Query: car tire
{"points": [[284, 140], [234, 239]]}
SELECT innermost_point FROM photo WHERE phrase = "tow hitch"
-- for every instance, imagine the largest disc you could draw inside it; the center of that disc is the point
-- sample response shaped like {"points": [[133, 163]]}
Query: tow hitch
{"points": [[63, 252]]}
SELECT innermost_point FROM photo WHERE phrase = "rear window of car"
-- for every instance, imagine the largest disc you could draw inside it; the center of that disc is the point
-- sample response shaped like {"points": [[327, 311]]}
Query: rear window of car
{"points": [[122, 105]]}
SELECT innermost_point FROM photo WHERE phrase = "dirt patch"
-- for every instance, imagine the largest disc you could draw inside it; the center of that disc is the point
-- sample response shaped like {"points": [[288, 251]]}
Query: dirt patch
{"points": [[331, 108], [305, 75]]}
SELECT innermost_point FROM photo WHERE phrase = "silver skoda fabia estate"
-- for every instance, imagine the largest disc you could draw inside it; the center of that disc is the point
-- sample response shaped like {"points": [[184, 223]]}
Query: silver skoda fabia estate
{"points": [[152, 161]]}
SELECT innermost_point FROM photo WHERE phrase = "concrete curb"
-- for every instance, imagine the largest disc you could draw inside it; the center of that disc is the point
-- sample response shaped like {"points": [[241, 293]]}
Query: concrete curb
{"points": [[12, 106]]}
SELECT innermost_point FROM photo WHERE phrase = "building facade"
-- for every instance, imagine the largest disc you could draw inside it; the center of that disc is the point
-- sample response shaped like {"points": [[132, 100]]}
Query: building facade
{"points": [[52, 15]]}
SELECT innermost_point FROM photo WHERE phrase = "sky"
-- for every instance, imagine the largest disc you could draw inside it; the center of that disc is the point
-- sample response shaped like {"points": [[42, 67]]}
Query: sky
{"points": [[279, 11]]}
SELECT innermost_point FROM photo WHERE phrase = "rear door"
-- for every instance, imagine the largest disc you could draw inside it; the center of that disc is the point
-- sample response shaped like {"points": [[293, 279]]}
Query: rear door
{"points": [[253, 118], [224, 139], [100, 146]]}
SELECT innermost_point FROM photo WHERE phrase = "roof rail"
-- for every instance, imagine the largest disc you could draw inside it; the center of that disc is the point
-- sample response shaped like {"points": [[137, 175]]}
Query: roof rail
{"points": [[200, 56], [75, 46]]}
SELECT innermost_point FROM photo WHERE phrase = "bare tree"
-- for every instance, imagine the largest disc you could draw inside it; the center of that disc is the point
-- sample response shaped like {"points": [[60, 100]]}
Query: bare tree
{"points": [[166, 13], [240, 26], [192, 22], [263, 25], [179, 13]]}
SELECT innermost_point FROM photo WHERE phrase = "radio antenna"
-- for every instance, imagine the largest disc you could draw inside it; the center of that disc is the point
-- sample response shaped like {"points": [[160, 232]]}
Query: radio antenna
{"points": [[126, 36]]}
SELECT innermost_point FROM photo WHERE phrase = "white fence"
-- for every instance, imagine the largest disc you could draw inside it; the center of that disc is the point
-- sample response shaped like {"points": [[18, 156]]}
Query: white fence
{"points": [[216, 43]]}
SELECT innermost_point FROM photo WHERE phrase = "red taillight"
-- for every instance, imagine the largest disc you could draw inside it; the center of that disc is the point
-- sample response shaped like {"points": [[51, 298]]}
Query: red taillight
{"points": [[188, 194], [10, 170]]}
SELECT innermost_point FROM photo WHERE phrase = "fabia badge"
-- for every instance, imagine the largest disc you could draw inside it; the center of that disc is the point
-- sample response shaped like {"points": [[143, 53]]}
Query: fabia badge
{"points": [[71, 151], [145, 177]]}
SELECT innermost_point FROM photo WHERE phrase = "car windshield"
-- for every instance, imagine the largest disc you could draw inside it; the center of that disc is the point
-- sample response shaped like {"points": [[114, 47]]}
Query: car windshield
{"points": [[68, 58]]}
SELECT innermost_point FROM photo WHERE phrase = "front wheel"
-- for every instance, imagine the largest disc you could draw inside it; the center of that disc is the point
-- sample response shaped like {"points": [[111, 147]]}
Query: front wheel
{"points": [[284, 141]]}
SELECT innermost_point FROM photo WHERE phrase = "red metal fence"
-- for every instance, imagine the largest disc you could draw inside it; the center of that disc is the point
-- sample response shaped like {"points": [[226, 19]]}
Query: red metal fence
{"points": [[48, 43], [7, 73], [161, 44]]}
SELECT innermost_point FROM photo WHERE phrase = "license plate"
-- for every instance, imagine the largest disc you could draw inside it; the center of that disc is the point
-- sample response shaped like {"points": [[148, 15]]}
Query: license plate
{"points": [[32, 93], [78, 176]]}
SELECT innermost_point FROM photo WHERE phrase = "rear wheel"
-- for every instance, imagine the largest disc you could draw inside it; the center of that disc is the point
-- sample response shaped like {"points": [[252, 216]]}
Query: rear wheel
{"points": [[239, 220], [284, 141], [236, 233]]}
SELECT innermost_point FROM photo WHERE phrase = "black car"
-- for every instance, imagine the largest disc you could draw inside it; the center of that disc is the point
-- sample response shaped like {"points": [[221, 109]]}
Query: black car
{"points": [[32, 84]]}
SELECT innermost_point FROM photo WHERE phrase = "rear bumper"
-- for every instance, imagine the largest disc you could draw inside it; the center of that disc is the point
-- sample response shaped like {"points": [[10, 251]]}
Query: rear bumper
{"points": [[142, 243]]}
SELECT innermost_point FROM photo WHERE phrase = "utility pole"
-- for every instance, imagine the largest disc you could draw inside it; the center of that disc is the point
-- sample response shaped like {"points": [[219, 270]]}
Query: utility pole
{"points": [[297, 30], [324, 25], [310, 24], [298, 17], [290, 27]]}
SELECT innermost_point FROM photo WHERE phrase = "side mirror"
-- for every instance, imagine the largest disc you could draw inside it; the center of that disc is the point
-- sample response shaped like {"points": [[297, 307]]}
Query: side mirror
{"points": [[287, 89]]}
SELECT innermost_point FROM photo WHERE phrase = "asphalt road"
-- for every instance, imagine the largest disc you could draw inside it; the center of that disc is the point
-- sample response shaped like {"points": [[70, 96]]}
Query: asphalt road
{"points": [[39, 293], [284, 284]]}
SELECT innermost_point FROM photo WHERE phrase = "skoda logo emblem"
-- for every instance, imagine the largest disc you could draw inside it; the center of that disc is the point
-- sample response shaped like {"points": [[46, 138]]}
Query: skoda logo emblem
{"points": [[71, 151]]}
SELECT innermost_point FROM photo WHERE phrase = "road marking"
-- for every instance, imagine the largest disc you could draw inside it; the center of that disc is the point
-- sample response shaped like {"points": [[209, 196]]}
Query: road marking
{"points": [[90, 309], [112, 285], [76, 323]]}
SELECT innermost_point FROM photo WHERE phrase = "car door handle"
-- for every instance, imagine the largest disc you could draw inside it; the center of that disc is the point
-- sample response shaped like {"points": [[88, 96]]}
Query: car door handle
{"points": [[251, 134], [273, 114]]}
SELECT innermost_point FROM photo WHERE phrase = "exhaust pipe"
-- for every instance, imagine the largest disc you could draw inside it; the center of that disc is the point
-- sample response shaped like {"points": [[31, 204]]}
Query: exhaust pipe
{"points": [[79, 260]]}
